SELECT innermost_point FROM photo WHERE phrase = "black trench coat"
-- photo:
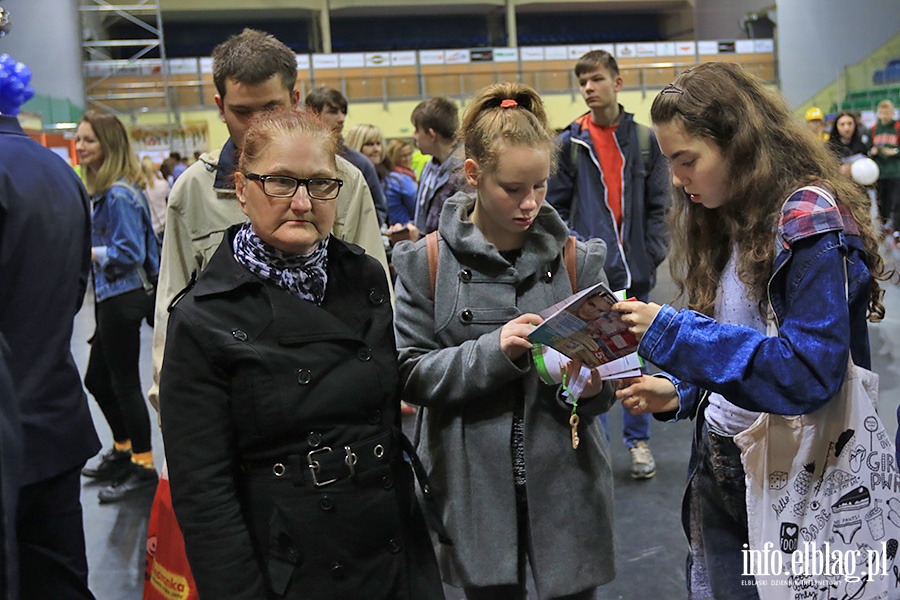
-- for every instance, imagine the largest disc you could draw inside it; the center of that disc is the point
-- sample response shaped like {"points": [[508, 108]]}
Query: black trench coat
{"points": [[281, 425]]}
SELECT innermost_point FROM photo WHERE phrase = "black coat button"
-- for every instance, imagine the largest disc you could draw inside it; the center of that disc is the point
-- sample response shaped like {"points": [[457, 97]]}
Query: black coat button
{"points": [[375, 417], [239, 335], [465, 275], [466, 316], [376, 297], [547, 277], [387, 482], [394, 546], [326, 503], [364, 354], [338, 571], [304, 376], [314, 439]]}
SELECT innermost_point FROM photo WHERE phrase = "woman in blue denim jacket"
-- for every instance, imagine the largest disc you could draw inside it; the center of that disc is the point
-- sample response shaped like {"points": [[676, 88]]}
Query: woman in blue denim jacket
{"points": [[125, 256], [762, 220]]}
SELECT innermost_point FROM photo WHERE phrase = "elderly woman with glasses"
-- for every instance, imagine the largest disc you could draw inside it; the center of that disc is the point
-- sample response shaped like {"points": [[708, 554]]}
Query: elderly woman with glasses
{"points": [[280, 404]]}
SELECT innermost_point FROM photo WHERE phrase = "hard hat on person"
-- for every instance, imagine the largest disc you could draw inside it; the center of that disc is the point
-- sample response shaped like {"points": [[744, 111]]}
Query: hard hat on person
{"points": [[815, 114]]}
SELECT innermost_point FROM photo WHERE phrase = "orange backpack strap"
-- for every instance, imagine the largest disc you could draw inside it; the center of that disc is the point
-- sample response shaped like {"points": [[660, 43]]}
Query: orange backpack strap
{"points": [[569, 258], [431, 248]]}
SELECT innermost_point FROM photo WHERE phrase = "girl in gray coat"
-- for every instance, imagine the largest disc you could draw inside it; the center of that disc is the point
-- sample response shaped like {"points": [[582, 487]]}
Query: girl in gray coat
{"points": [[495, 440]]}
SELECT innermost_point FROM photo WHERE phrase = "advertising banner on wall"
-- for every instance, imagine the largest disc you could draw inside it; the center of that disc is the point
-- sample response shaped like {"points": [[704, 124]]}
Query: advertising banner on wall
{"points": [[403, 59], [378, 59], [158, 141], [532, 53], [506, 54]]}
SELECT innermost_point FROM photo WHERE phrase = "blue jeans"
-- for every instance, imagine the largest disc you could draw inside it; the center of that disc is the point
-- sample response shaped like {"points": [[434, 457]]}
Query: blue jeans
{"points": [[716, 522]]}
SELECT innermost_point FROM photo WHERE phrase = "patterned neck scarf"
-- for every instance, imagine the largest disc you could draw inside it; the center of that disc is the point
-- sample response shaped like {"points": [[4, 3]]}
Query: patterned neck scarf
{"points": [[302, 276]]}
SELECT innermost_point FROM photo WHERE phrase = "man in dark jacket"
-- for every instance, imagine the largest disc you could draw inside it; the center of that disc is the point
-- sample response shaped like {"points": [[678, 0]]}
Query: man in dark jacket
{"points": [[331, 106], [44, 263], [613, 184], [10, 475]]}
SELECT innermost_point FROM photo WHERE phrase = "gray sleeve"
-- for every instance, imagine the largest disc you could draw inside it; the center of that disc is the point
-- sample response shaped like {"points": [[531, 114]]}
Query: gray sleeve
{"points": [[431, 373]]}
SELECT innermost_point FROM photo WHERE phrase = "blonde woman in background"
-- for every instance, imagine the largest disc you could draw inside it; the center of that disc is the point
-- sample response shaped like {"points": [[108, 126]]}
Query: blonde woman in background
{"points": [[125, 257], [399, 190], [157, 194], [400, 153]]}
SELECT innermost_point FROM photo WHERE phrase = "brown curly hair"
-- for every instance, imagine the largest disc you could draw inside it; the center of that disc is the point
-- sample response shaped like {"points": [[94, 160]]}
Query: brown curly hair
{"points": [[770, 154]]}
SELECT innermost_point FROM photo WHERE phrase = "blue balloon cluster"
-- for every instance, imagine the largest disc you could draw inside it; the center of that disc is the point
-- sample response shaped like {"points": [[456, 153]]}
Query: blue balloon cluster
{"points": [[14, 88]]}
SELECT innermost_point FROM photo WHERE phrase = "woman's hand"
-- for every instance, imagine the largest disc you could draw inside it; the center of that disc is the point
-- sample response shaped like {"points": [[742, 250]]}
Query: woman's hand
{"points": [[646, 394], [595, 382], [637, 315], [512, 335]]}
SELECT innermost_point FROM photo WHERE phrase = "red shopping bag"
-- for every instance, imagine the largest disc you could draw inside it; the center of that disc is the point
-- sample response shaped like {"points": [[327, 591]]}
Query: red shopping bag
{"points": [[167, 575]]}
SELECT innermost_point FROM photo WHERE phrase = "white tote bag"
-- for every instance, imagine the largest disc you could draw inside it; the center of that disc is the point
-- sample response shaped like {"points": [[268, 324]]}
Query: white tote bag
{"points": [[823, 500]]}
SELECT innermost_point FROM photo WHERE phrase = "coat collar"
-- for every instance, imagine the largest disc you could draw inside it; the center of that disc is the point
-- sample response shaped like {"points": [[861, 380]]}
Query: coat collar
{"points": [[229, 275], [298, 320], [225, 167], [10, 125], [579, 130], [543, 243]]}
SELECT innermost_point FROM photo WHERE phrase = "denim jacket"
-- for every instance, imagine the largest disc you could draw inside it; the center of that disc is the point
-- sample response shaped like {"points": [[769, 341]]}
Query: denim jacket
{"points": [[805, 365], [123, 241]]}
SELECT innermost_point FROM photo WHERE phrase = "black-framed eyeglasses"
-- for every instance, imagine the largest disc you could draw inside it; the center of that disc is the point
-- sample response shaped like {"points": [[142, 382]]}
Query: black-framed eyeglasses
{"points": [[285, 186]]}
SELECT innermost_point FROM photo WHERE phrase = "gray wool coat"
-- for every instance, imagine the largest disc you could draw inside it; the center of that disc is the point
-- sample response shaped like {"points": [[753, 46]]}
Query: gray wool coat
{"points": [[451, 364]]}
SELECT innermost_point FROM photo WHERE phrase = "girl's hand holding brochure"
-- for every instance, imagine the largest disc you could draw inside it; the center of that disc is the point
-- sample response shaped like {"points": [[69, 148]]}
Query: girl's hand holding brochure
{"points": [[513, 336], [637, 315], [595, 383]]}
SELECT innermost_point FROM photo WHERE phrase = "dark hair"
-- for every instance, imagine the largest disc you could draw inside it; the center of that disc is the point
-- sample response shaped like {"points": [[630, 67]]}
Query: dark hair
{"points": [[520, 121], [439, 114], [594, 60], [165, 168], [855, 137], [769, 154], [253, 57], [269, 125], [321, 97]]}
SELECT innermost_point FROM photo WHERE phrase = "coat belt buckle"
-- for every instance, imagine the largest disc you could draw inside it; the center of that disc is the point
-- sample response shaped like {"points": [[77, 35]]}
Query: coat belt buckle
{"points": [[314, 467]]}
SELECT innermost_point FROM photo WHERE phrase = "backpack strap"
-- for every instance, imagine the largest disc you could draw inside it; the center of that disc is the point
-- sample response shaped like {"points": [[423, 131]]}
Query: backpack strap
{"points": [[644, 143], [434, 253], [569, 258]]}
